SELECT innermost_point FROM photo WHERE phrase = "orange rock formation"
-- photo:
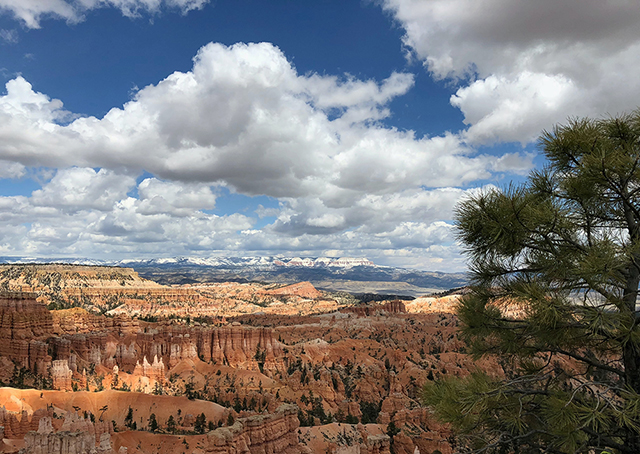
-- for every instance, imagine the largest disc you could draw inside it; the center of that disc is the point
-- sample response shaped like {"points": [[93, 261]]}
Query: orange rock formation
{"points": [[302, 289], [391, 307], [273, 433], [76, 436], [24, 322], [365, 364]]}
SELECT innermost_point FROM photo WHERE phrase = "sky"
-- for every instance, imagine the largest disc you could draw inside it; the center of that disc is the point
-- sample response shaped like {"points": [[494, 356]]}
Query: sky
{"points": [[164, 128]]}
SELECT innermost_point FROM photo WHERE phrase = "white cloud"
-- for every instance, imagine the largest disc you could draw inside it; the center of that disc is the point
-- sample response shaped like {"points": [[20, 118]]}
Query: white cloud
{"points": [[129, 229], [499, 109], [523, 66], [31, 12], [11, 169], [23, 104], [78, 189], [125, 229], [410, 244], [158, 197], [242, 118], [327, 220], [245, 118], [331, 91]]}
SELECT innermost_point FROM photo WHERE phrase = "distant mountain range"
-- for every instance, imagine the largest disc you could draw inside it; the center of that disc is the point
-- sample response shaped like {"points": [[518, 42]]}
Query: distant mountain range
{"points": [[354, 275], [269, 262]]}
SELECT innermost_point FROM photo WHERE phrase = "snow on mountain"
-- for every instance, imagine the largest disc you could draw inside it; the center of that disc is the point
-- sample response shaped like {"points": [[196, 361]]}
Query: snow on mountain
{"points": [[348, 262], [304, 262], [343, 262]]}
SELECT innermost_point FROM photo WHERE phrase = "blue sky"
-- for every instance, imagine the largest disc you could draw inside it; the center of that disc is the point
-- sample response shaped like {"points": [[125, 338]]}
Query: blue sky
{"points": [[155, 128]]}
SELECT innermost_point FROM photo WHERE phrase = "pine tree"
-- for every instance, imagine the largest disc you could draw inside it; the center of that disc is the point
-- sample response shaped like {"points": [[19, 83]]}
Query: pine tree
{"points": [[128, 419], [153, 422], [171, 424], [201, 423], [564, 250]]}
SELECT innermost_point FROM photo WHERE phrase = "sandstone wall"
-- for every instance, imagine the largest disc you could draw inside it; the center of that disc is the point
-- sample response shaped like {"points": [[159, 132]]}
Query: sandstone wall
{"points": [[76, 436], [302, 289], [237, 346], [390, 307], [79, 321], [262, 434], [65, 346], [170, 344], [24, 323], [15, 427]]}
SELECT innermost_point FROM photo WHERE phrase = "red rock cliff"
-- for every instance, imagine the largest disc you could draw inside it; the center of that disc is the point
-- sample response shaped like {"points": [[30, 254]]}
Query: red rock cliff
{"points": [[237, 345], [24, 323], [390, 307], [274, 433]]}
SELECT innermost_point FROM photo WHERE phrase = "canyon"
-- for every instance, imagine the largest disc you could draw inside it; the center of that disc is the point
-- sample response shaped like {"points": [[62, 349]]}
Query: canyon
{"points": [[308, 372], [116, 291]]}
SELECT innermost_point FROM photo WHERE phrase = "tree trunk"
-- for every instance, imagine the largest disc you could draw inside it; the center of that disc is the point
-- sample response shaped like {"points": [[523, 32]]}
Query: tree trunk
{"points": [[631, 350]]}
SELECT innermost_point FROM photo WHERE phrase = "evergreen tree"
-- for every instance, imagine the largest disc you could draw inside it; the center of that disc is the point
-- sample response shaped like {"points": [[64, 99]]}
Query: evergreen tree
{"points": [[171, 424], [201, 423], [563, 250], [153, 422], [128, 419]]}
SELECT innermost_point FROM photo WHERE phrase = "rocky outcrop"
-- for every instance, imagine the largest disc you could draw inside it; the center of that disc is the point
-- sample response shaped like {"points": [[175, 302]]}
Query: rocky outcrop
{"points": [[15, 427], [444, 305], [377, 444], [153, 350], [332, 364], [154, 371], [58, 443], [274, 433], [24, 322], [345, 439], [240, 346], [79, 321], [389, 307], [394, 307], [169, 344], [46, 278], [302, 289], [61, 375], [23, 317], [76, 436], [27, 339]]}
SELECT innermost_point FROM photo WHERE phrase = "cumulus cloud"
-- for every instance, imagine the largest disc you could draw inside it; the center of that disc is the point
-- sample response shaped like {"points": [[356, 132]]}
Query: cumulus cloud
{"points": [[11, 169], [523, 66], [244, 119], [130, 228], [158, 197], [83, 212], [78, 189], [31, 12]]}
